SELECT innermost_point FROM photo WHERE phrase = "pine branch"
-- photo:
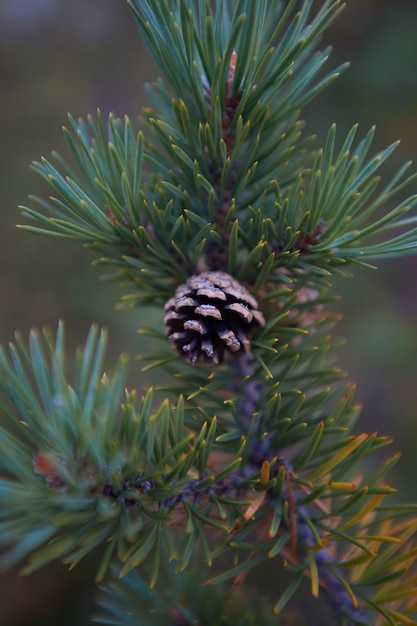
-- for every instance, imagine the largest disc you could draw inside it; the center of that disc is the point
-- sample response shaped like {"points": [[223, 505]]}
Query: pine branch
{"points": [[86, 473], [222, 211]]}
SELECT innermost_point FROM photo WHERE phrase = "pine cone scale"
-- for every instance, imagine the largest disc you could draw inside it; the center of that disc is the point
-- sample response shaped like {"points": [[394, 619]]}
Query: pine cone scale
{"points": [[208, 310], [241, 310]]}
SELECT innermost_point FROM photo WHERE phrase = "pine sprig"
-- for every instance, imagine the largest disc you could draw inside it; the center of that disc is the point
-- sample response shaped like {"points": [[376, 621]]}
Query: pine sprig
{"points": [[219, 604], [199, 39], [217, 182], [114, 207], [92, 469]]}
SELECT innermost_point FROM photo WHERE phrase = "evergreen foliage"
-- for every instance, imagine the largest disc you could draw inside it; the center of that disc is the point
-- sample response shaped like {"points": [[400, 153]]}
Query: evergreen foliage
{"points": [[217, 470]]}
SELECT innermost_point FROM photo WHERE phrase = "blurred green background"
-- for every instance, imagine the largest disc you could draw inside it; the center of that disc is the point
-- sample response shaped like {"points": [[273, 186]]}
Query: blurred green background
{"points": [[58, 56]]}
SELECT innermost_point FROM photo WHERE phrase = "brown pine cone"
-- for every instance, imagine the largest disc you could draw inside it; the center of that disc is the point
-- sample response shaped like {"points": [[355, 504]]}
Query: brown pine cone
{"points": [[212, 312]]}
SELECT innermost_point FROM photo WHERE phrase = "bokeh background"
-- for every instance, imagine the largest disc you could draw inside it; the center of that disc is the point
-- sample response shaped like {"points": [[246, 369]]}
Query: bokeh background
{"points": [[57, 57]]}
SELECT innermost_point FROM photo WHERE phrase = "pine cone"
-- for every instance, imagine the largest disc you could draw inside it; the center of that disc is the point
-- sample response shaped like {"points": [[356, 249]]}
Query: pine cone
{"points": [[212, 312]]}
